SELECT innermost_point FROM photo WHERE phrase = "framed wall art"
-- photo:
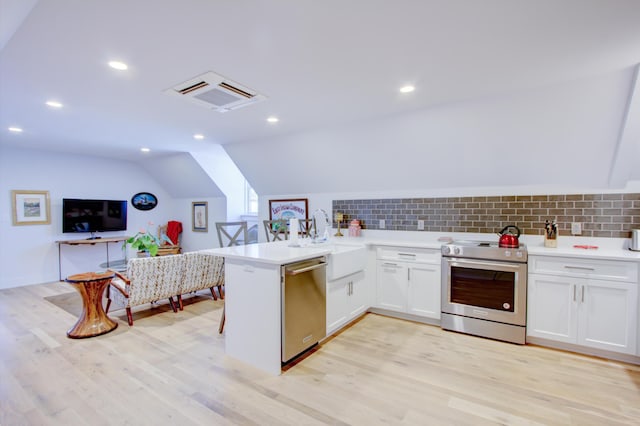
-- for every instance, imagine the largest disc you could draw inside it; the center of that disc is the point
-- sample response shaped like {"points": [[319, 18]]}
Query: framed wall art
{"points": [[144, 201], [199, 216], [31, 207], [287, 209]]}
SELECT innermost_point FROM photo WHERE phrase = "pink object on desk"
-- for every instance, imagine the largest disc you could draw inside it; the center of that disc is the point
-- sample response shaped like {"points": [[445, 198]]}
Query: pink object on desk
{"points": [[584, 246]]}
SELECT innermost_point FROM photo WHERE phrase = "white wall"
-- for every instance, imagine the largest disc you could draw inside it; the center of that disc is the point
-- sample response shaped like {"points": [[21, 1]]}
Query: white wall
{"points": [[29, 254], [217, 212], [216, 163]]}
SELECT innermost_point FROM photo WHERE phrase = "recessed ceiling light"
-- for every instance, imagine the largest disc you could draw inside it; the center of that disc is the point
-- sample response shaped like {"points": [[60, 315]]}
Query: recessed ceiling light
{"points": [[198, 136], [145, 149], [15, 129], [121, 66], [54, 104], [273, 119], [407, 89]]}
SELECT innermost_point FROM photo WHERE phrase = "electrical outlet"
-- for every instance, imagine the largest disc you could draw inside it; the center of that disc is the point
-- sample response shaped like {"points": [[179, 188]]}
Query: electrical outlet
{"points": [[576, 228], [381, 223], [421, 225]]}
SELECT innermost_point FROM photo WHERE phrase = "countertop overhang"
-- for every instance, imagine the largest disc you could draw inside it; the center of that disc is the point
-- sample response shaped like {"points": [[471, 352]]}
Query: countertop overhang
{"points": [[275, 253]]}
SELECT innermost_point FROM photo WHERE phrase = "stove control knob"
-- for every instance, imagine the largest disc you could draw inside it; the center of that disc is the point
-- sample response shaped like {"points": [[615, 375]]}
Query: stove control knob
{"points": [[518, 254], [507, 253], [456, 250], [446, 249]]}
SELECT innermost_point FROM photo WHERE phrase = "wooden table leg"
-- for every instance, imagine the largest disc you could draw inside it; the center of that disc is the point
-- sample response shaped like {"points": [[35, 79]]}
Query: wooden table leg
{"points": [[93, 321]]}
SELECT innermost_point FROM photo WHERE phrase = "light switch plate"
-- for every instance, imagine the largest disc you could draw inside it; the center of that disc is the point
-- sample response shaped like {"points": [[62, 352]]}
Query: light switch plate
{"points": [[420, 225], [576, 228], [381, 223]]}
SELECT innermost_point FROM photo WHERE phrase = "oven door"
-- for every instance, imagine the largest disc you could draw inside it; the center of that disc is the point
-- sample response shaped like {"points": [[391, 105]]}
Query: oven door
{"points": [[485, 289]]}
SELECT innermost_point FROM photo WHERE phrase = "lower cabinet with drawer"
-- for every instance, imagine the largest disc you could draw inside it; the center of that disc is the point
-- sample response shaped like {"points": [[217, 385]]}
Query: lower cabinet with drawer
{"points": [[408, 281], [592, 303]]}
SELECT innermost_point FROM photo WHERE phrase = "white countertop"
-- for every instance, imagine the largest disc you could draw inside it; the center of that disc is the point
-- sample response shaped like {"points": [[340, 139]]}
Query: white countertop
{"points": [[604, 253], [276, 253], [281, 253]]}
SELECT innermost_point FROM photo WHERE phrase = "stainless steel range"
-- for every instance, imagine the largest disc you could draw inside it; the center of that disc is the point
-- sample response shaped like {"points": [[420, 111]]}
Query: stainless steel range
{"points": [[484, 290]]}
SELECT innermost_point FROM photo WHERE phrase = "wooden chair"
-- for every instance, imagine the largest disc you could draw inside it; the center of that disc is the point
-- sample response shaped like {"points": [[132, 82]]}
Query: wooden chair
{"points": [[276, 230], [252, 233], [147, 280], [307, 227], [232, 233], [240, 237]]}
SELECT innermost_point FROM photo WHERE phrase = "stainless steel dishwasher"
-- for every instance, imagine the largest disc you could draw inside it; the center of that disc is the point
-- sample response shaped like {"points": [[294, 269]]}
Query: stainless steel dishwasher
{"points": [[304, 311]]}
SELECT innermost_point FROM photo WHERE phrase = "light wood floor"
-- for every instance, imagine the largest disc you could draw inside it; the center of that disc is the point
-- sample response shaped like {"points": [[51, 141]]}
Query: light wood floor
{"points": [[171, 369]]}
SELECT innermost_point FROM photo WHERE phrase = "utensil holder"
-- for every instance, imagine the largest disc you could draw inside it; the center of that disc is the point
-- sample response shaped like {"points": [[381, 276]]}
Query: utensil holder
{"points": [[551, 241]]}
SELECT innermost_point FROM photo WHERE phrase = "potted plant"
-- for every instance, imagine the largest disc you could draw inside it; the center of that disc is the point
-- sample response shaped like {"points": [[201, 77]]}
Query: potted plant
{"points": [[144, 241]]}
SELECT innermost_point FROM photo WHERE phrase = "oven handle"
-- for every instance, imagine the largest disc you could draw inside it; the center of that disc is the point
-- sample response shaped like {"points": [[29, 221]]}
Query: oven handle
{"points": [[485, 263]]}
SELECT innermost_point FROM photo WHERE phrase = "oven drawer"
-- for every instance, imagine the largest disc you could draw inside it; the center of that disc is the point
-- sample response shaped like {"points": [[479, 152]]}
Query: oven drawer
{"points": [[410, 254], [584, 268]]}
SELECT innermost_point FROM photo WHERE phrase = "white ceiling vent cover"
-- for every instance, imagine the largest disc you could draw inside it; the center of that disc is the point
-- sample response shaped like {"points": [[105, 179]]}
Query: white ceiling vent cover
{"points": [[213, 91]]}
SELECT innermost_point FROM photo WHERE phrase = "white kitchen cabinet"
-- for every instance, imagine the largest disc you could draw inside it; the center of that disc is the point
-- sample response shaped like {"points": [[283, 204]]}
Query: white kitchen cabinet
{"points": [[424, 290], [551, 310], [347, 299], [568, 301], [608, 315], [408, 281], [392, 281]]}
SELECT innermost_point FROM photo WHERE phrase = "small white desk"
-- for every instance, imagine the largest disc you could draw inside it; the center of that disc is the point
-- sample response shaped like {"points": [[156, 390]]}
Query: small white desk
{"points": [[104, 241]]}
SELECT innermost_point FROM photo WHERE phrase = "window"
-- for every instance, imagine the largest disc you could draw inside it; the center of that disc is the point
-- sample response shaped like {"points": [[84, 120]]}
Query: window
{"points": [[250, 199]]}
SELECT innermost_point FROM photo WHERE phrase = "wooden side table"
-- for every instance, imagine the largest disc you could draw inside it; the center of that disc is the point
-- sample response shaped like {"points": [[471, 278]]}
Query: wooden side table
{"points": [[93, 321]]}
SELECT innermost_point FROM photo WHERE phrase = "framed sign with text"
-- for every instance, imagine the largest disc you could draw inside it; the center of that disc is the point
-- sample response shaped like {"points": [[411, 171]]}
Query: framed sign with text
{"points": [[287, 209]]}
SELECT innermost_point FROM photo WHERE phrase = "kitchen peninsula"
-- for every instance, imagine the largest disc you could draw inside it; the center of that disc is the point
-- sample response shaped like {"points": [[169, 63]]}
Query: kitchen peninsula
{"points": [[253, 301]]}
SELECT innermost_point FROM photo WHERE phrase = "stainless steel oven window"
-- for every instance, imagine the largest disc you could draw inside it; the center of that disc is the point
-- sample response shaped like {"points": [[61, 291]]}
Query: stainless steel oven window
{"points": [[516, 313], [483, 288]]}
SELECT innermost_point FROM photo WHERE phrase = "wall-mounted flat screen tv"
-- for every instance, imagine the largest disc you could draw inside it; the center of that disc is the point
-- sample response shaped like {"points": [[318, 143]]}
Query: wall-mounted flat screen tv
{"points": [[81, 215]]}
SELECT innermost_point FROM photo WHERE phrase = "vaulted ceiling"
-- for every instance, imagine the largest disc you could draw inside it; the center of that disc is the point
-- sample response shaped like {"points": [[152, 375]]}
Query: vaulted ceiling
{"points": [[321, 64]]}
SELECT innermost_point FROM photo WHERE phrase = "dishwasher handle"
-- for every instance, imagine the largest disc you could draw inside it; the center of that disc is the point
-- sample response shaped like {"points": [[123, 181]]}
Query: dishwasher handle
{"points": [[306, 269]]}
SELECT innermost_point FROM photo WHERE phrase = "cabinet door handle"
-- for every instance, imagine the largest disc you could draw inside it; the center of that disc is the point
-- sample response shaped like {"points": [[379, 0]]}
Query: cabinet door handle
{"points": [[582, 294], [389, 264], [408, 274], [574, 292], [407, 254], [584, 268]]}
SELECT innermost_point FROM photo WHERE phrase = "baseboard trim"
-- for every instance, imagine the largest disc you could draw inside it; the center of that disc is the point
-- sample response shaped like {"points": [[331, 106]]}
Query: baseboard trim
{"points": [[584, 350], [405, 316]]}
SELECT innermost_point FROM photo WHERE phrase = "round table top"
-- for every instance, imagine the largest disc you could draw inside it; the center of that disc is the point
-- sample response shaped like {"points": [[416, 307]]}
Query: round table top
{"points": [[89, 276]]}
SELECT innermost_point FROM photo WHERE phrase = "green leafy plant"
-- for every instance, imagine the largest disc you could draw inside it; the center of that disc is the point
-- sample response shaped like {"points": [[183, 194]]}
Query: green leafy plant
{"points": [[145, 241]]}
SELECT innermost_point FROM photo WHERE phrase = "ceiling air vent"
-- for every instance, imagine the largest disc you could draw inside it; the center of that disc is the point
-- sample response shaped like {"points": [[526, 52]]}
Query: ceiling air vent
{"points": [[213, 91]]}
